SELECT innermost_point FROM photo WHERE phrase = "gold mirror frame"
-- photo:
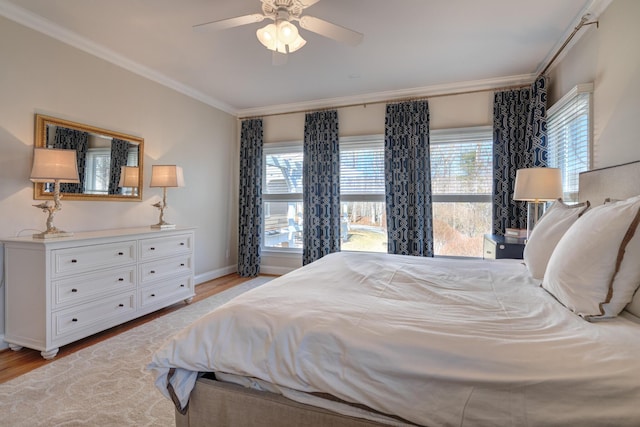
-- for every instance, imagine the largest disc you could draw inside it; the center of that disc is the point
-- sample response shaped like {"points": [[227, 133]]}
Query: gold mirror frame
{"points": [[42, 125]]}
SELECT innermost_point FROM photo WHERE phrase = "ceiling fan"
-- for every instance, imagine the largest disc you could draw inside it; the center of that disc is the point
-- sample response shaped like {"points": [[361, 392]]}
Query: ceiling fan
{"points": [[282, 35]]}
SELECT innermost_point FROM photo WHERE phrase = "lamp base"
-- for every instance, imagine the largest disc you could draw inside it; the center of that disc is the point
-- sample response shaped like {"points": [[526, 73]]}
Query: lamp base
{"points": [[163, 226], [535, 210], [52, 234]]}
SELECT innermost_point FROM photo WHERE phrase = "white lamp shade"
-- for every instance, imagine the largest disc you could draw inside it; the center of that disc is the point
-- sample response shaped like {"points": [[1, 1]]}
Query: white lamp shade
{"points": [[166, 176], [129, 176], [51, 164], [538, 184]]}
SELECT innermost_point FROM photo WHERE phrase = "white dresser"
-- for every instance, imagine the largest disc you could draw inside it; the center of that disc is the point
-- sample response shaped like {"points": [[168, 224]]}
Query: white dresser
{"points": [[61, 290]]}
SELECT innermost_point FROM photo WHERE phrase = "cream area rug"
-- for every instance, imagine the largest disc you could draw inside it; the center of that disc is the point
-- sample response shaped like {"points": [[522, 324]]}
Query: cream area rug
{"points": [[105, 384]]}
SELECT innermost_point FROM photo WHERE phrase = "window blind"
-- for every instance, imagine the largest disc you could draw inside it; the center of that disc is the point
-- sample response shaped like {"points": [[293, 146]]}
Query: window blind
{"points": [[462, 161], [361, 167], [569, 138]]}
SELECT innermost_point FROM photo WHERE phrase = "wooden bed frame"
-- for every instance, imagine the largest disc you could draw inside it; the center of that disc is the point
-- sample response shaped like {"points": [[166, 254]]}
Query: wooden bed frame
{"points": [[222, 404]]}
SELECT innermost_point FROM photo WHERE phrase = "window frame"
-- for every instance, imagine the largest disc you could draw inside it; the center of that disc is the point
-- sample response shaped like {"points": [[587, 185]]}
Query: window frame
{"points": [[453, 135], [441, 136], [278, 148], [567, 101]]}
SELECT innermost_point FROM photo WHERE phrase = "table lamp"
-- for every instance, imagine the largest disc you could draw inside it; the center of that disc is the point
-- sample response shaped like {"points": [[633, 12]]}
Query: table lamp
{"points": [[535, 186], [165, 176], [53, 165], [129, 178]]}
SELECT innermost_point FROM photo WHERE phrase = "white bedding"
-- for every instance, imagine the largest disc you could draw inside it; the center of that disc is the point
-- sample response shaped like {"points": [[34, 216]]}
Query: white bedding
{"points": [[434, 341]]}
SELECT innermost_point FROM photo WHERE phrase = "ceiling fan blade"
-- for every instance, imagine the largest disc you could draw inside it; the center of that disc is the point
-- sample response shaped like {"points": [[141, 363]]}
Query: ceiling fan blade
{"points": [[332, 31], [229, 23], [306, 3]]}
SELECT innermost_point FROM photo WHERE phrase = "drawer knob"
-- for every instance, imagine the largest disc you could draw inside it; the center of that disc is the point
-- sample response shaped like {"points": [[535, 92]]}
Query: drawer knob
{"points": [[74, 320], [74, 290], [74, 261], [152, 248], [120, 253], [182, 264], [120, 305], [120, 279], [182, 285], [181, 243], [152, 272], [153, 295]]}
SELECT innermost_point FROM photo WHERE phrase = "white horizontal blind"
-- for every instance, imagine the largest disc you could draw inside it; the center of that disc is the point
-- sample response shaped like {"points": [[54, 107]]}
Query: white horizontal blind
{"points": [[569, 139], [462, 163], [361, 167]]}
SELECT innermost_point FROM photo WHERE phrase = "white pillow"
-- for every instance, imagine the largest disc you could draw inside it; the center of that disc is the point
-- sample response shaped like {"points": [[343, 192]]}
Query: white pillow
{"points": [[634, 305], [547, 233], [594, 269]]}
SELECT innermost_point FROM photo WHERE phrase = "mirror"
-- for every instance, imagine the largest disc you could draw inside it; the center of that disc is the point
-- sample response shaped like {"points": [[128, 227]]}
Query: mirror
{"points": [[102, 156]]}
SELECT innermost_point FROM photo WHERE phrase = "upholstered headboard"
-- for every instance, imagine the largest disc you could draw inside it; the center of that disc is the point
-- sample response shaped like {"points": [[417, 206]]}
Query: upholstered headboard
{"points": [[614, 182]]}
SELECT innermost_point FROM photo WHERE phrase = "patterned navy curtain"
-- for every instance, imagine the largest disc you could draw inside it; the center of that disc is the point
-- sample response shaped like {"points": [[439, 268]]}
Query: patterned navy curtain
{"points": [[119, 154], [519, 141], [250, 200], [321, 186], [71, 139], [408, 179]]}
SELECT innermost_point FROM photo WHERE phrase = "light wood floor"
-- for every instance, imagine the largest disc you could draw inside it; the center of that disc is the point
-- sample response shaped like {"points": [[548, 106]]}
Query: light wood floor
{"points": [[16, 363]]}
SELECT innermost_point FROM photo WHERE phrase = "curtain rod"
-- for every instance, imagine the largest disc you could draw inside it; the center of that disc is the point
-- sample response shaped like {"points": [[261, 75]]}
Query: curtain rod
{"points": [[387, 101], [582, 23]]}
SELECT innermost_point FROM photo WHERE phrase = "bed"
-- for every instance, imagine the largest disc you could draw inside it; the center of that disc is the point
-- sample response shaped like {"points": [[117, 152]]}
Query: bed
{"points": [[376, 339]]}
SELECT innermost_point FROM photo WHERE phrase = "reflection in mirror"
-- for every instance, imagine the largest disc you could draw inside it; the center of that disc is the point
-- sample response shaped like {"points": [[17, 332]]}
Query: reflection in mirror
{"points": [[102, 155]]}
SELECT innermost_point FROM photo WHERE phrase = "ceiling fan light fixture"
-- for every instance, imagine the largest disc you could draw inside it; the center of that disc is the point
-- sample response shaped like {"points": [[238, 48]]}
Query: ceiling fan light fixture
{"points": [[287, 32], [282, 37], [296, 44], [268, 36]]}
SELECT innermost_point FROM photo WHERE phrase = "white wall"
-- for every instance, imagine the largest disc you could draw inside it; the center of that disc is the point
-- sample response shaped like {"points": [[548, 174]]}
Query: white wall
{"points": [[445, 112], [41, 75], [609, 57]]}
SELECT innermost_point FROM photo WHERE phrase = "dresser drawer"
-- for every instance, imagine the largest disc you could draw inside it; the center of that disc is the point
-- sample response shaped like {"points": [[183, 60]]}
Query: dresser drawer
{"points": [[94, 317], [156, 270], [86, 258], [171, 289], [77, 289], [158, 247]]}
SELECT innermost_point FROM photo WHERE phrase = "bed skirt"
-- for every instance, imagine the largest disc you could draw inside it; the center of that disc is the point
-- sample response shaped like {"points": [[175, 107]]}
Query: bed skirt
{"points": [[215, 403]]}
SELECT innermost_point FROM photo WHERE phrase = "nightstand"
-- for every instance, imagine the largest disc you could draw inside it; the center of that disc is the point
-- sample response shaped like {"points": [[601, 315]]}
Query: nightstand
{"points": [[498, 247]]}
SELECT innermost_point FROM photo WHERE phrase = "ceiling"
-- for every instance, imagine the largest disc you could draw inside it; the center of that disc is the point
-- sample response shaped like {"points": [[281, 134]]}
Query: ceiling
{"points": [[410, 47]]}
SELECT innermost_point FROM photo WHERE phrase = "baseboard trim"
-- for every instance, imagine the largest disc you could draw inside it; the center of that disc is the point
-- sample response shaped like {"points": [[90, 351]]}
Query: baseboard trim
{"points": [[278, 271], [214, 274], [264, 269], [3, 343]]}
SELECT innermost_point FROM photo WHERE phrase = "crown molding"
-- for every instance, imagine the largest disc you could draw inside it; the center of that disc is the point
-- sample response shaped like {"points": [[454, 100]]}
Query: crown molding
{"points": [[44, 26], [448, 89]]}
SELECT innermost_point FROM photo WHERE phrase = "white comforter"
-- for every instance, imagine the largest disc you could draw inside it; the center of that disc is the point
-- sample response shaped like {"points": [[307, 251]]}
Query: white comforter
{"points": [[434, 341]]}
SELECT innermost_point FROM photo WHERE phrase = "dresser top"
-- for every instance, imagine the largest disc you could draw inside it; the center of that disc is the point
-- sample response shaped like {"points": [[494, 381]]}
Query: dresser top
{"points": [[132, 232]]}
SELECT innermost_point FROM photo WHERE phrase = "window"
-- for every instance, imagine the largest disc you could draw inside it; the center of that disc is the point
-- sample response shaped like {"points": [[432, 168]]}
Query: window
{"points": [[461, 170], [569, 137], [282, 196], [461, 184], [98, 170], [363, 215]]}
